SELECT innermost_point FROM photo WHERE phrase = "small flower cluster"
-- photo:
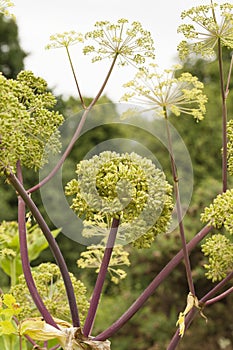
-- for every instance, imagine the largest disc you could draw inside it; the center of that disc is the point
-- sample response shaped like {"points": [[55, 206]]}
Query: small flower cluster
{"points": [[230, 146], [4, 5], [219, 250], [164, 93], [94, 255], [65, 39], [51, 288], [220, 213], [132, 44], [124, 186], [28, 126], [206, 32]]}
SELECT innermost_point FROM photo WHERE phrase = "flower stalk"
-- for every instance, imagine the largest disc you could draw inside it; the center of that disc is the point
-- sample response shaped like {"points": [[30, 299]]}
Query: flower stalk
{"points": [[179, 209], [101, 278], [25, 259], [77, 132], [224, 94], [171, 265], [52, 243]]}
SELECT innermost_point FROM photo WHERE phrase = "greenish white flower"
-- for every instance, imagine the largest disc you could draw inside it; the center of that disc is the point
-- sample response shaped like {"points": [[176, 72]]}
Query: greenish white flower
{"points": [[220, 212], [65, 39], [205, 30], [219, 250], [93, 256], [50, 285], [131, 43], [165, 93], [27, 122], [4, 5], [230, 146], [124, 186]]}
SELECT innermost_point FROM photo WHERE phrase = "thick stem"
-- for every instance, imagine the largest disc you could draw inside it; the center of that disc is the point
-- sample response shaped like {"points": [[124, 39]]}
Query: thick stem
{"points": [[109, 332], [179, 210], [101, 278], [77, 132], [224, 119], [25, 258], [53, 246], [189, 318]]}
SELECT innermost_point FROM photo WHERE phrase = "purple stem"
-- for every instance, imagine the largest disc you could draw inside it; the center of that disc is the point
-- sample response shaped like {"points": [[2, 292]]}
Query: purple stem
{"points": [[101, 278], [219, 297], [152, 286], [204, 300], [25, 259], [77, 132], [53, 246]]}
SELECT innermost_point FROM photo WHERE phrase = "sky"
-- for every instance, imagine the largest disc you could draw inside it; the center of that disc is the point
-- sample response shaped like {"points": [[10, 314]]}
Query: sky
{"points": [[38, 19]]}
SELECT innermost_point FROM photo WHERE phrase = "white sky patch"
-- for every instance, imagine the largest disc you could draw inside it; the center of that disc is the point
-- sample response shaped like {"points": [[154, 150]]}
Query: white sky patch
{"points": [[37, 20]]}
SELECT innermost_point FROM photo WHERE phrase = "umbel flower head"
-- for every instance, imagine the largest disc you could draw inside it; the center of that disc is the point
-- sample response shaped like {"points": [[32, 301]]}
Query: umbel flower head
{"points": [[4, 5], [219, 250], [65, 39], [205, 31], [124, 186], [27, 123], [51, 288], [164, 93], [220, 212], [94, 254], [131, 43]]}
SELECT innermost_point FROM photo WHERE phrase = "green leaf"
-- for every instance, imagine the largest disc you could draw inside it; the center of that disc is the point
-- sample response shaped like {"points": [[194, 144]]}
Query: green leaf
{"points": [[7, 327]]}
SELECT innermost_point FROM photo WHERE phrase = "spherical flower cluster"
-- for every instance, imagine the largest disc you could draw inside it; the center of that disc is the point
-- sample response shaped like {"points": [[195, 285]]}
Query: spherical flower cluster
{"points": [[124, 186], [132, 43], [51, 288], [220, 213], [65, 39], [94, 255], [27, 123], [219, 250], [205, 32], [164, 93], [4, 5]]}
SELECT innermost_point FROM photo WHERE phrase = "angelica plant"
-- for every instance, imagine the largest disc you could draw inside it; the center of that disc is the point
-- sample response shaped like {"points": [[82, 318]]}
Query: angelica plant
{"points": [[122, 198]]}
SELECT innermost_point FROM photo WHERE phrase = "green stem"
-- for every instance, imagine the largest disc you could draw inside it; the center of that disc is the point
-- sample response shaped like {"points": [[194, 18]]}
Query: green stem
{"points": [[13, 272], [75, 78], [179, 209], [224, 118]]}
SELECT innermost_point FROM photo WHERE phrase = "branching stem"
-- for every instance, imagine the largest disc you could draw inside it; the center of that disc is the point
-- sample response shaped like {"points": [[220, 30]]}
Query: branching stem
{"points": [[205, 301], [109, 332], [75, 77], [77, 132]]}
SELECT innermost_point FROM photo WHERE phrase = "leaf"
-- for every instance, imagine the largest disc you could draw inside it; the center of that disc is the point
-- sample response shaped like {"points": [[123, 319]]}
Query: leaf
{"points": [[7, 327], [38, 329]]}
